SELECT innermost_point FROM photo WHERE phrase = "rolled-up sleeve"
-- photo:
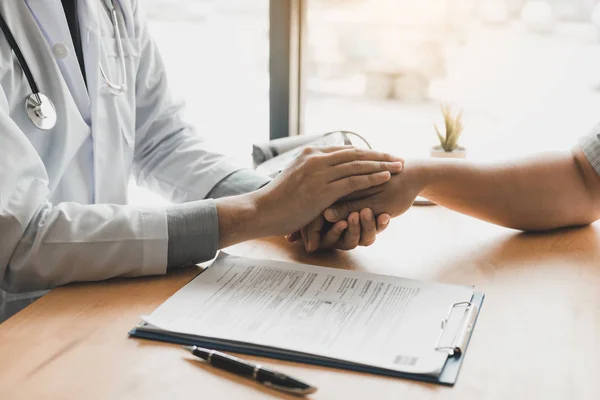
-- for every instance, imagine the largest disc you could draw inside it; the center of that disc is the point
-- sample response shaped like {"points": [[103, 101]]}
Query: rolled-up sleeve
{"points": [[590, 144]]}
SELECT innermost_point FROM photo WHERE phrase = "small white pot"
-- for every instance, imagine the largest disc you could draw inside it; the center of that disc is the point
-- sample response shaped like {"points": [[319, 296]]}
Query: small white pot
{"points": [[439, 152]]}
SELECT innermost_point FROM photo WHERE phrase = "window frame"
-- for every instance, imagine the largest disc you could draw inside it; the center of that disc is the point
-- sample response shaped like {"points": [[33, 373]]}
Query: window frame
{"points": [[287, 28]]}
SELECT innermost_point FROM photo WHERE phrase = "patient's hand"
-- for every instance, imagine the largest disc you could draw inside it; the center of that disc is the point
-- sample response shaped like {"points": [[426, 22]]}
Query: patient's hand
{"points": [[359, 229], [393, 197]]}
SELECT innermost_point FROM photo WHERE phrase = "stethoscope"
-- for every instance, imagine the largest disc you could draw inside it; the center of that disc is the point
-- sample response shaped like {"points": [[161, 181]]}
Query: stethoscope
{"points": [[39, 107]]}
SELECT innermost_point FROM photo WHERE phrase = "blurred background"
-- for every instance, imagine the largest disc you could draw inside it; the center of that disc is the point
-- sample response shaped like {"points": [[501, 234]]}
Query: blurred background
{"points": [[525, 73]]}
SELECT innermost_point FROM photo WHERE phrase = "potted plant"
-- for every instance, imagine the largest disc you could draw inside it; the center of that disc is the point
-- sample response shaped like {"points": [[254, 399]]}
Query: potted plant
{"points": [[453, 127]]}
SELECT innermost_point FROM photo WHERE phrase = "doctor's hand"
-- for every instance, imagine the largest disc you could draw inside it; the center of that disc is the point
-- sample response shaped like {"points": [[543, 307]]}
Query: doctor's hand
{"points": [[315, 181], [360, 229]]}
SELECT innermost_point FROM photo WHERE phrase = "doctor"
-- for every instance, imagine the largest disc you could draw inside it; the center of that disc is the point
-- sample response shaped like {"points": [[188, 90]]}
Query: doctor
{"points": [[84, 104]]}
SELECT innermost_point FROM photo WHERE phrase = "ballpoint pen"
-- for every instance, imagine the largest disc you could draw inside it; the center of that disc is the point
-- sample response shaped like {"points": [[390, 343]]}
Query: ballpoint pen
{"points": [[260, 374]]}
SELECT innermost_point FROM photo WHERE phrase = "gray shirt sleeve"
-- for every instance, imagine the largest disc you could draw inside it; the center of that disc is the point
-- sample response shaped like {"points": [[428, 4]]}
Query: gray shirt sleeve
{"points": [[590, 145], [193, 227]]}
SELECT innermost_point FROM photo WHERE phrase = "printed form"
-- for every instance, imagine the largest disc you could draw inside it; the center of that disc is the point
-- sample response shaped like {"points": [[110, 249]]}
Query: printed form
{"points": [[376, 320]]}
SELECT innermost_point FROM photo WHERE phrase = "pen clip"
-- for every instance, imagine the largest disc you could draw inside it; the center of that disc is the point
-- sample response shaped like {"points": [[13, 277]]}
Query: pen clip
{"points": [[297, 391]]}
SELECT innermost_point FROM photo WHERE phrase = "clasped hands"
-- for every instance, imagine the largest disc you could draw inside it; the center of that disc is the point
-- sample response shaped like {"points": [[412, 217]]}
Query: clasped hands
{"points": [[353, 183], [357, 229]]}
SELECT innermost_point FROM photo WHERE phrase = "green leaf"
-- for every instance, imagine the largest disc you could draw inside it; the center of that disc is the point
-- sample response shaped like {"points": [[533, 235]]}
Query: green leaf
{"points": [[454, 128], [439, 135]]}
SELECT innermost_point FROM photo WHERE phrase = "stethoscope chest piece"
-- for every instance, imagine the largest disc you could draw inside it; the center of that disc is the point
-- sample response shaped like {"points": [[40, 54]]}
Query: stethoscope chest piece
{"points": [[41, 111]]}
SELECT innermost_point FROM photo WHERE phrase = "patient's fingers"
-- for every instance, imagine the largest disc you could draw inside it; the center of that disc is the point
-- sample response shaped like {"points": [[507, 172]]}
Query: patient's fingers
{"points": [[333, 235], [313, 234], [340, 211], [352, 235], [368, 227]]}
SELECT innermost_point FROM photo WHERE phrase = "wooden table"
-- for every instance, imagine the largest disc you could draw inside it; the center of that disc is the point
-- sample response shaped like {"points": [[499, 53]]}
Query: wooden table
{"points": [[537, 336]]}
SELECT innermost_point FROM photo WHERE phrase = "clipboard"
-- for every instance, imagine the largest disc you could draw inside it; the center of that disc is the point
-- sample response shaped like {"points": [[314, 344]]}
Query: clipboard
{"points": [[456, 347]]}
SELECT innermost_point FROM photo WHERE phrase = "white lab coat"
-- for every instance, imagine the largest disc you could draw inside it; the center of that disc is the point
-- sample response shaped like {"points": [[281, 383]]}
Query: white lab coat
{"points": [[49, 233]]}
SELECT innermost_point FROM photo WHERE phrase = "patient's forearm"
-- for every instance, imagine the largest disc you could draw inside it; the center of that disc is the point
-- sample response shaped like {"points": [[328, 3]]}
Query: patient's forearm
{"points": [[544, 192]]}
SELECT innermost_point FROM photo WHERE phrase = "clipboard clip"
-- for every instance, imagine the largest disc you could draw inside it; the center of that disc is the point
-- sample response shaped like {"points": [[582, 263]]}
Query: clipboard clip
{"points": [[459, 342]]}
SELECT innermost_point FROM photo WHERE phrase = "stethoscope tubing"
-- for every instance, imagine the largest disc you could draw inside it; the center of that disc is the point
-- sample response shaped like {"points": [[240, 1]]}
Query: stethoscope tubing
{"points": [[40, 109], [15, 47]]}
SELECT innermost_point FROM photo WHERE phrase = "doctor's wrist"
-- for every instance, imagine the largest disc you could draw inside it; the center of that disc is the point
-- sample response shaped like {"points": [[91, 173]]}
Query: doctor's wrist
{"points": [[239, 219]]}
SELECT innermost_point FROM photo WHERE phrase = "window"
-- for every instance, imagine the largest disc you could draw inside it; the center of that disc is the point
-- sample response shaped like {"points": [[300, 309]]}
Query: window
{"points": [[216, 56], [525, 73]]}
